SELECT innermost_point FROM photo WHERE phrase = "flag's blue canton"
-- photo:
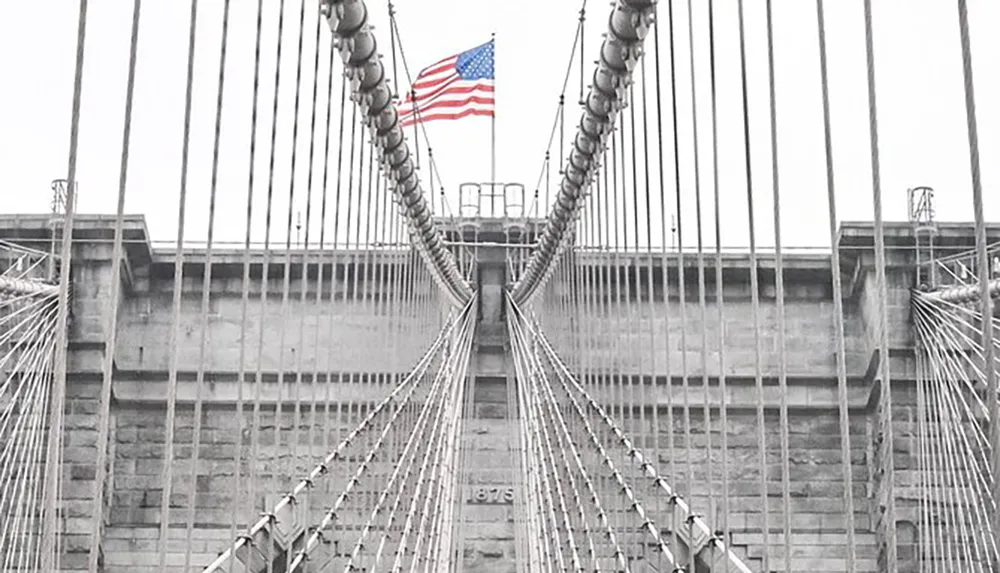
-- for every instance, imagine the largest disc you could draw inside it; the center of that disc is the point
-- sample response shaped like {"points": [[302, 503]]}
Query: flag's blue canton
{"points": [[477, 63]]}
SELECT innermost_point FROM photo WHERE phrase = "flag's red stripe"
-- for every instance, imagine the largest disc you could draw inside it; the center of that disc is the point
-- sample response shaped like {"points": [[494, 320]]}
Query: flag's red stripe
{"points": [[443, 65], [451, 104], [431, 83], [446, 116], [454, 90], [431, 93], [441, 61], [429, 96]]}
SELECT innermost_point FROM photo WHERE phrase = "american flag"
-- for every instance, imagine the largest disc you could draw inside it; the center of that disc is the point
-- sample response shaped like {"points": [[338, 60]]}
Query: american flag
{"points": [[455, 87]]}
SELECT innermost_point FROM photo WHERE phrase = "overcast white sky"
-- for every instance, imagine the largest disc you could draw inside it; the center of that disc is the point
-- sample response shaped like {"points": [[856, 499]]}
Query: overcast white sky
{"points": [[920, 98]]}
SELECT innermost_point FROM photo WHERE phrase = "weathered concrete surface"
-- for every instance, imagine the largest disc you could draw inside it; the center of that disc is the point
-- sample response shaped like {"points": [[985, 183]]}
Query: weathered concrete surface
{"points": [[131, 513]]}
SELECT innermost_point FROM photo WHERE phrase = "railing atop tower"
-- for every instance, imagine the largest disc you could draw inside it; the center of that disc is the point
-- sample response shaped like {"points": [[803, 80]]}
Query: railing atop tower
{"points": [[492, 200]]}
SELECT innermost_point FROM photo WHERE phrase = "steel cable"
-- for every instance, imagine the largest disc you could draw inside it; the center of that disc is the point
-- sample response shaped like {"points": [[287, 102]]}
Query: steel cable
{"points": [[985, 296], [627, 28], [323, 468], [698, 533], [178, 285], [206, 288], [882, 299], [755, 302], [838, 303], [779, 295], [349, 22], [111, 308]]}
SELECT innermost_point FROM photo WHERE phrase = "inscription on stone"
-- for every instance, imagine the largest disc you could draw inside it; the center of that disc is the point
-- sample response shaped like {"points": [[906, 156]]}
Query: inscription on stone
{"points": [[490, 495]]}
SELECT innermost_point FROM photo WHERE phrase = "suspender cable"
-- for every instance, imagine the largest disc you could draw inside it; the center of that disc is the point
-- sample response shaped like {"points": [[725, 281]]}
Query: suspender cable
{"points": [[304, 245], [618, 365], [652, 397], [755, 303], [985, 300], [345, 373], [719, 301], [702, 310], [111, 308], [779, 295], [206, 289], [320, 258], [377, 289], [286, 274], [664, 266], [628, 355], [206, 293], [583, 290], [838, 304], [363, 286], [592, 309], [265, 265], [276, 473], [636, 377], [682, 294], [335, 256], [889, 518], [168, 453], [356, 375], [244, 304], [608, 366], [50, 559], [54, 455]]}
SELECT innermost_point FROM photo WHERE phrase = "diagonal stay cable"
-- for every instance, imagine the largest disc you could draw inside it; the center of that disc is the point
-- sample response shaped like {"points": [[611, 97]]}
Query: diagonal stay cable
{"points": [[433, 405], [331, 515], [703, 533], [947, 368], [322, 469], [519, 338]]}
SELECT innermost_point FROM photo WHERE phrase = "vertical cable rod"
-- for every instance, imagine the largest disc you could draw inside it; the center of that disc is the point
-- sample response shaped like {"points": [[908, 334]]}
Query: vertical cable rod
{"points": [[244, 311], [111, 308], [882, 298], [702, 304], [985, 300], [50, 533], [719, 299], [779, 295], [664, 260], [206, 289], [168, 454], [286, 284], [838, 303], [755, 303]]}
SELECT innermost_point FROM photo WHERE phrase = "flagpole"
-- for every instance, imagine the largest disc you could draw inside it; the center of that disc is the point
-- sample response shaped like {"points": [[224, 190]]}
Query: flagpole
{"points": [[493, 121]]}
